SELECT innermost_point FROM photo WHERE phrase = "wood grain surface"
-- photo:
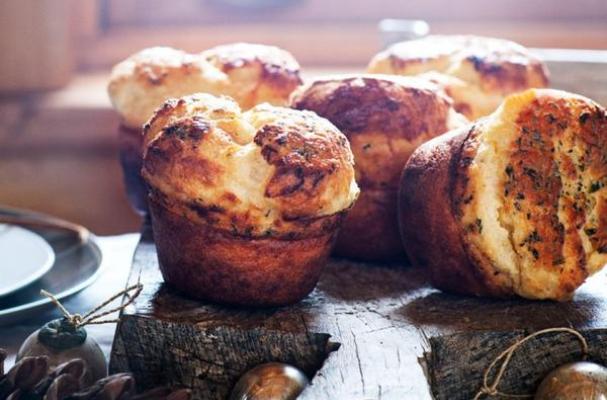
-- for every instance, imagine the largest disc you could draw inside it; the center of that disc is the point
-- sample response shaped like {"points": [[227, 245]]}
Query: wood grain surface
{"points": [[456, 363], [381, 320]]}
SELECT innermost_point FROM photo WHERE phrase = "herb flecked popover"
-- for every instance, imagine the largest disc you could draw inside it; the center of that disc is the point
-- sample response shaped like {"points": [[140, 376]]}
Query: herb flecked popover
{"points": [[477, 72], [385, 118], [249, 73], [245, 206], [514, 204]]}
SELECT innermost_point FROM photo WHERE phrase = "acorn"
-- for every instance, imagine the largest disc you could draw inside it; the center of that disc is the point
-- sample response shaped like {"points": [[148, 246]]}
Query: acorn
{"points": [[580, 380], [270, 381], [61, 341]]}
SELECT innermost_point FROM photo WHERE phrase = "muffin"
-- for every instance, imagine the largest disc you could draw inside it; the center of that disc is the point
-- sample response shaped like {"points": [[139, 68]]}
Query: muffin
{"points": [[250, 73], [477, 72], [245, 206], [514, 204], [385, 118]]}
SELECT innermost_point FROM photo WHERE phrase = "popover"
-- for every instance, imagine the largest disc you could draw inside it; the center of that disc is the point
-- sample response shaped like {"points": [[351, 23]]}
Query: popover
{"points": [[245, 206], [477, 72], [385, 118], [514, 204], [249, 73]]}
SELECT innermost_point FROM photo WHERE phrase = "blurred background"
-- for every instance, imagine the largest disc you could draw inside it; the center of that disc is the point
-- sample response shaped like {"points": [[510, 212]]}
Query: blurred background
{"points": [[58, 141]]}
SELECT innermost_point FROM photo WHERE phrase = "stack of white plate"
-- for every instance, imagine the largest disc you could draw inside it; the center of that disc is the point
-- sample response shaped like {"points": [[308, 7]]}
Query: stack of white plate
{"points": [[31, 260]]}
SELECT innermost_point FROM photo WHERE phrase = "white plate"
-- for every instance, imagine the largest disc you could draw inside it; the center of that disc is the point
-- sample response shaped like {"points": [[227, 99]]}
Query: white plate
{"points": [[24, 258]]}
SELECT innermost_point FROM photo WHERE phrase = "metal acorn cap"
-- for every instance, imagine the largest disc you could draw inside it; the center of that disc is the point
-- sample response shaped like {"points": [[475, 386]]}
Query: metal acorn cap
{"points": [[270, 381], [581, 380]]}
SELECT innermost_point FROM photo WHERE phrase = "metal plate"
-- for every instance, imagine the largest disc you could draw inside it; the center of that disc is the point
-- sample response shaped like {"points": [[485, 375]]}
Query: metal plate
{"points": [[77, 265]]}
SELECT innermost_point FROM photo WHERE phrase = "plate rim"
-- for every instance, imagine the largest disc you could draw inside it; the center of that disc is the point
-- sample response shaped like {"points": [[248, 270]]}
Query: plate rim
{"points": [[47, 266], [45, 301], [10, 315]]}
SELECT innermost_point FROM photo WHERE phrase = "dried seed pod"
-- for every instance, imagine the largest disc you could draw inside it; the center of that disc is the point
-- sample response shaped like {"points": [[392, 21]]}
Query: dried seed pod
{"points": [[28, 372], [63, 386], [159, 393], [6, 387], [16, 395], [114, 387], [578, 380], [23, 377], [181, 394], [74, 368], [61, 341], [271, 381], [163, 393]]}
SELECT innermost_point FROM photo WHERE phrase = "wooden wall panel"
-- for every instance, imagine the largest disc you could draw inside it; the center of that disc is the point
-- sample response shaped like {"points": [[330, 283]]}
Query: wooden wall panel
{"points": [[150, 12], [351, 44]]}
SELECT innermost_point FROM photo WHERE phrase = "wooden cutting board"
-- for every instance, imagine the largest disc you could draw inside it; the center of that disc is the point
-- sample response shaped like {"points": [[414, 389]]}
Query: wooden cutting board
{"points": [[361, 334]]}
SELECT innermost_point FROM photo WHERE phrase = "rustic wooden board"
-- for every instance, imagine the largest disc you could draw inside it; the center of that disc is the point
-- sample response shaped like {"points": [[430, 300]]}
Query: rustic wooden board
{"points": [[382, 317], [456, 363], [389, 330]]}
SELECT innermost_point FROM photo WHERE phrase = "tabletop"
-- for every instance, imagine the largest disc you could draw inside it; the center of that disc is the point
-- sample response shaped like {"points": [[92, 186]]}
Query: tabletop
{"points": [[117, 253]]}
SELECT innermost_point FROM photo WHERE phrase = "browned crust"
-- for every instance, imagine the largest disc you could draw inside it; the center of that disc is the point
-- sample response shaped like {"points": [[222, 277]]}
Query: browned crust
{"points": [[302, 163], [209, 264], [277, 65], [429, 227], [555, 163], [151, 73], [509, 75], [385, 118], [277, 68], [502, 66], [370, 230], [313, 165], [405, 108]]}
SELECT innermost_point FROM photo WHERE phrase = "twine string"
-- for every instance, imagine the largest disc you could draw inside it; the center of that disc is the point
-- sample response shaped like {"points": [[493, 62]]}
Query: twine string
{"points": [[93, 317], [488, 389]]}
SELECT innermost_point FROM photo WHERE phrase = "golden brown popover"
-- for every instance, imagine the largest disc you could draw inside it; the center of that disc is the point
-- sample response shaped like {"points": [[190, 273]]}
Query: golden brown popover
{"points": [[477, 72], [245, 205], [385, 118], [514, 204], [249, 73]]}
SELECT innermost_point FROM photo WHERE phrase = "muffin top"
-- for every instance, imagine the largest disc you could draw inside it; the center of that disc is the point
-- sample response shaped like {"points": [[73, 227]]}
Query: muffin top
{"points": [[255, 73], [385, 118], [269, 171], [250, 73], [532, 192], [480, 71]]}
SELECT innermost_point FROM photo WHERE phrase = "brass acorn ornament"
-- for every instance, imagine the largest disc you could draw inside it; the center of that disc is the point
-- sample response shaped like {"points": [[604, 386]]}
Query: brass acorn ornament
{"points": [[580, 380], [270, 381]]}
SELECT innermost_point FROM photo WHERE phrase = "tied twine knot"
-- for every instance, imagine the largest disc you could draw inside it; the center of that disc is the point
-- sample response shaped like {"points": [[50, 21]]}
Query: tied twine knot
{"points": [[490, 389], [93, 317]]}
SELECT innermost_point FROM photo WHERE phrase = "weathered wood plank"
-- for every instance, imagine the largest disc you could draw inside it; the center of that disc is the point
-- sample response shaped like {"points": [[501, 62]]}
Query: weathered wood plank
{"points": [[385, 317], [381, 315], [456, 363]]}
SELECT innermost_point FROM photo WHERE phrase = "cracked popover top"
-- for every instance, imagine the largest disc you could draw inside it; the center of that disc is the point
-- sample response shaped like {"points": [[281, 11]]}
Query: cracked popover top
{"points": [[477, 72], [385, 118], [268, 171], [249, 73]]}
